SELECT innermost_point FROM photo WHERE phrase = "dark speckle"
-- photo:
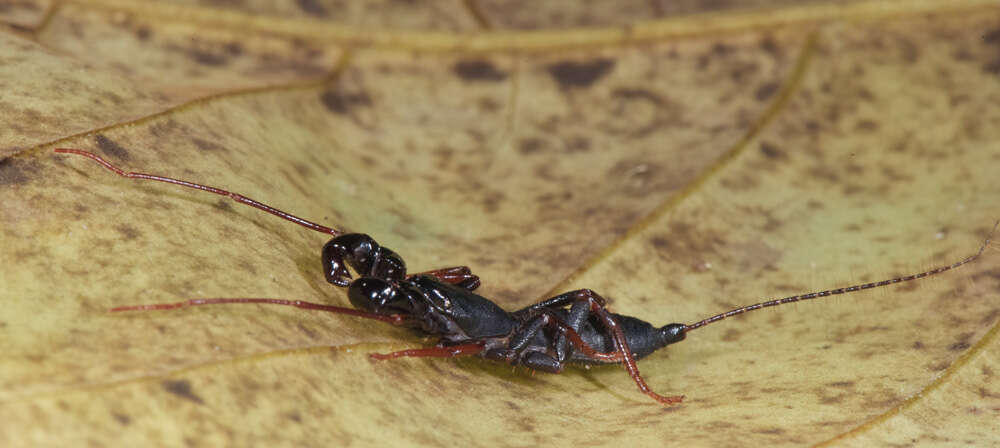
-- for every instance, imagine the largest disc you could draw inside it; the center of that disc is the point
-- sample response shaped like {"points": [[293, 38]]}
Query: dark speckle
{"points": [[488, 105], [111, 148], [124, 419], [577, 144], [341, 103], [294, 416], [234, 48], [182, 389], [491, 201], [312, 7], [992, 37], [571, 74], [721, 49], [771, 151], [224, 205], [765, 91], [812, 126], [478, 70], [832, 400], [866, 125], [143, 33], [638, 94], [128, 232], [917, 345], [302, 169], [207, 58], [770, 46], [660, 243], [206, 145], [14, 172], [992, 67], [959, 346], [731, 335], [307, 331], [530, 145]]}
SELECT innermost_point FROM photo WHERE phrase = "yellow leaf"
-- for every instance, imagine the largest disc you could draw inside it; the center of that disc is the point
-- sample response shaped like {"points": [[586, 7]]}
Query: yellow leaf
{"points": [[680, 162]]}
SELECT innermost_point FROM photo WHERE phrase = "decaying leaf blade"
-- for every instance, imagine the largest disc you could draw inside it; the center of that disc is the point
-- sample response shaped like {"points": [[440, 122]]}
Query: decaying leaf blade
{"points": [[879, 162]]}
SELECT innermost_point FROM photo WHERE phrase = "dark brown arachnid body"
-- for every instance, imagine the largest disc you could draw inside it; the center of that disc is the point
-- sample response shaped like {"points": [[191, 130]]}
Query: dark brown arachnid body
{"points": [[574, 327]]}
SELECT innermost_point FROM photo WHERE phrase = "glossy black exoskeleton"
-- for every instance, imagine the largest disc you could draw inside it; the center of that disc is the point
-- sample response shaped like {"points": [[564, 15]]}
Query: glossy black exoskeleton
{"points": [[543, 336], [574, 327]]}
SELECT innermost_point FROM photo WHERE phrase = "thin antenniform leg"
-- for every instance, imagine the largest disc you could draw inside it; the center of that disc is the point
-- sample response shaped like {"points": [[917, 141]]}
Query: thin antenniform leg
{"points": [[574, 338], [234, 196], [621, 344], [433, 352], [395, 319], [831, 292]]}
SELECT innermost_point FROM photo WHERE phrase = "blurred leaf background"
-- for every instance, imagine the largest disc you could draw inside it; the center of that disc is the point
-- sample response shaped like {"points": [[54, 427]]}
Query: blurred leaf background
{"points": [[681, 158]]}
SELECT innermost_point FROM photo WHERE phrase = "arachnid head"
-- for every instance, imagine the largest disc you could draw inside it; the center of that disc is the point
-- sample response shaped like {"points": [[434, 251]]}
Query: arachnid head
{"points": [[361, 253]]}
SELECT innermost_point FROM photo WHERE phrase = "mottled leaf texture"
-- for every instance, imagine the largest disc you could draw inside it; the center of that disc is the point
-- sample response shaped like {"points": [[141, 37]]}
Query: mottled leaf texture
{"points": [[679, 157]]}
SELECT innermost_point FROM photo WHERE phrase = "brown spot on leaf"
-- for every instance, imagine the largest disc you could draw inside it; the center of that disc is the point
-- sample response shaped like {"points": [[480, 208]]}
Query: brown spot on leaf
{"points": [[224, 205], [182, 389], [721, 49], [634, 94], [110, 147], [530, 145], [14, 171], [124, 419], [206, 145], [770, 46], [992, 37], [312, 7], [488, 104], [234, 48], [731, 335], [577, 144], [866, 125], [307, 331], [959, 346], [478, 70], [766, 91], [771, 151], [570, 74], [128, 232], [660, 242], [207, 58], [491, 201], [342, 103]]}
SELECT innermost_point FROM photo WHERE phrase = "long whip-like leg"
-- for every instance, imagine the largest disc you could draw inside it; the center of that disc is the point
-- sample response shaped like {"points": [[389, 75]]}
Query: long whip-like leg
{"points": [[597, 307], [234, 196], [433, 352], [395, 319]]}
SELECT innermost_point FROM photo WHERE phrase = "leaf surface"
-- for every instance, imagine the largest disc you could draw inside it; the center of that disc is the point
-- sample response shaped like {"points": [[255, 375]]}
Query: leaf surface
{"points": [[681, 162]]}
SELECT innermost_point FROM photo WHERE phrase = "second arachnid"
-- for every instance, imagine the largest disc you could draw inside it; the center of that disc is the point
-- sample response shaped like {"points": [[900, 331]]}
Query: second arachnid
{"points": [[573, 327]]}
